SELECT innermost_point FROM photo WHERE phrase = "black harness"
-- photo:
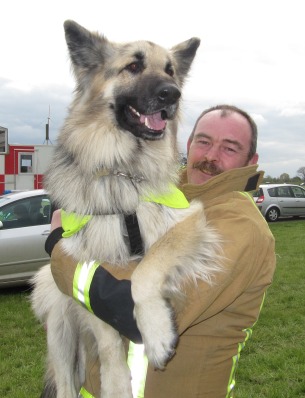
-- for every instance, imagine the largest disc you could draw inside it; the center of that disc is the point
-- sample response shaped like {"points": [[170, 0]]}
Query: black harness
{"points": [[134, 234]]}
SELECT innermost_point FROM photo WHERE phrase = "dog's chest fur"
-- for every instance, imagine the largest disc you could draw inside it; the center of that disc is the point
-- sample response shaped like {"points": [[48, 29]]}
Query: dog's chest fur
{"points": [[105, 237]]}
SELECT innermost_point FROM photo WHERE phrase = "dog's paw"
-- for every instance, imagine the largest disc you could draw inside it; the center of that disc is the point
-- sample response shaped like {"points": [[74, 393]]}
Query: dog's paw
{"points": [[156, 323]]}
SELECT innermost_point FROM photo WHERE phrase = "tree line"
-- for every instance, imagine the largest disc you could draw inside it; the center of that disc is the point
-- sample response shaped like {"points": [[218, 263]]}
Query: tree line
{"points": [[285, 178]]}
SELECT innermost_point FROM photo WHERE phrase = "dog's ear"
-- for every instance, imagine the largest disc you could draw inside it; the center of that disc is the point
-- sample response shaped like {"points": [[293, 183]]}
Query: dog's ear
{"points": [[184, 54], [87, 50]]}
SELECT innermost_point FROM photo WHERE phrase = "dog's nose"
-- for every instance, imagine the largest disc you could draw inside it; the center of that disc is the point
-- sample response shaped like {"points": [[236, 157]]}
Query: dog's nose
{"points": [[168, 94]]}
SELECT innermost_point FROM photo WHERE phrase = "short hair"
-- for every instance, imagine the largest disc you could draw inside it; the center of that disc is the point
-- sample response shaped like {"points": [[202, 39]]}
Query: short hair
{"points": [[225, 111]]}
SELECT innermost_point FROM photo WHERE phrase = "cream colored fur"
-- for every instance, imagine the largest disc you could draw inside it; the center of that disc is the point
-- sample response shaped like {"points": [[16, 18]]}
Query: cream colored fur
{"points": [[180, 247]]}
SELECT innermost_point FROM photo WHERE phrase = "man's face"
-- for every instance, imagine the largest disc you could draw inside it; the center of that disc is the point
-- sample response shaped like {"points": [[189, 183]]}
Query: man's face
{"points": [[219, 144]]}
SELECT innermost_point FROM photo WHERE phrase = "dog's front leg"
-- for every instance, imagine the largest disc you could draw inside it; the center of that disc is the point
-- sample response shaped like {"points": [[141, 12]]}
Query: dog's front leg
{"points": [[115, 374], [187, 252], [155, 318]]}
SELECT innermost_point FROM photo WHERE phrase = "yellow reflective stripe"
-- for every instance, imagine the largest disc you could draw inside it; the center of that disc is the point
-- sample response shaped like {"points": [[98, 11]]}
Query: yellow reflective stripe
{"points": [[82, 281], [138, 363], [84, 393], [72, 223], [173, 198], [247, 195], [232, 382], [235, 359]]}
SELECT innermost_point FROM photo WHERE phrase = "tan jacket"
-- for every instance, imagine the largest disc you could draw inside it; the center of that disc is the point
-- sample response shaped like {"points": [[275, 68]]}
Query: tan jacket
{"points": [[216, 320]]}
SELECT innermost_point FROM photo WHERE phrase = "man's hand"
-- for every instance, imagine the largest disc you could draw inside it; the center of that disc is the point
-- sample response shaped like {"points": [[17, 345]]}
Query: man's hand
{"points": [[56, 220]]}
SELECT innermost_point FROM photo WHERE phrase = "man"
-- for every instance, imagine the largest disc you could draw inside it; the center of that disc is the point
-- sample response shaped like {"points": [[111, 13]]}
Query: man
{"points": [[217, 320]]}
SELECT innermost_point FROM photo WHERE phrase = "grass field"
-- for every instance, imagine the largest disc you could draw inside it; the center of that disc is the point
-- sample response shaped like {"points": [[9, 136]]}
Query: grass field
{"points": [[272, 365], [273, 362]]}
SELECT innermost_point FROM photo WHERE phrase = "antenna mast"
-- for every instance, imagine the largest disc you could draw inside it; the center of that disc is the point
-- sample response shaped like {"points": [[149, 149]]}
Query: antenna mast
{"points": [[47, 140]]}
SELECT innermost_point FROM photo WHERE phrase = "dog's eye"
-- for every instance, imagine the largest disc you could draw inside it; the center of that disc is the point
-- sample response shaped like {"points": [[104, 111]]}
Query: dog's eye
{"points": [[135, 67], [169, 70]]}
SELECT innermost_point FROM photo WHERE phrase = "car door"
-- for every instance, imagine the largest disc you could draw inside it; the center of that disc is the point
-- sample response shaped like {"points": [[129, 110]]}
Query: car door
{"points": [[299, 201], [285, 200], [22, 239]]}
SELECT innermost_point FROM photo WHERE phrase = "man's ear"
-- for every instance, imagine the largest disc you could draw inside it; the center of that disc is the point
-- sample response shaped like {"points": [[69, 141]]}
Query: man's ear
{"points": [[254, 159]]}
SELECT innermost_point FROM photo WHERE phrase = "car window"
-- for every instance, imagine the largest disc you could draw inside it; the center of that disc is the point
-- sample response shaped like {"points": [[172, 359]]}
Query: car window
{"points": [[298, 192], [26, 212], [272, 192], [258, 193], [284, 192]]}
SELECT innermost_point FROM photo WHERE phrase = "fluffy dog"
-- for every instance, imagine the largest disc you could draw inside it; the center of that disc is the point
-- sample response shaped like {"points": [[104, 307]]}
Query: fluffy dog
{"points": [[116, 153]]}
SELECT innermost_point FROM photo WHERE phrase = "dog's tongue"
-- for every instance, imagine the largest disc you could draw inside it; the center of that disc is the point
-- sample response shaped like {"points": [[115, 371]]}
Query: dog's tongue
{"points": [[154, 121]]}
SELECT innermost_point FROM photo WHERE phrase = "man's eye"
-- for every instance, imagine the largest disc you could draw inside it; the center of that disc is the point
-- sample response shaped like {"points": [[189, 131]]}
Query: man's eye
{"points": [[229, 149], [135, 67]]}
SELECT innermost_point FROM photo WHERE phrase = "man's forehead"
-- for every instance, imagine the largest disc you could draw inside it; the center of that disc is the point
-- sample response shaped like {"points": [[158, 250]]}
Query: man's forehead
{"points": [[226, 130], [232, 124], [219, 115]]}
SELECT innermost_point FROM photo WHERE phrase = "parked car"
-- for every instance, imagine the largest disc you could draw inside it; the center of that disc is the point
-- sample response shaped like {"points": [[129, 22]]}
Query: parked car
{"points": [[24, 226], [280, 200]]}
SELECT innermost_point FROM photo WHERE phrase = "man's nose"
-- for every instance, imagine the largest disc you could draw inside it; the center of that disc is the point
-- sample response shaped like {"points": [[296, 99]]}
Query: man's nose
{"points": [[212, 154]]}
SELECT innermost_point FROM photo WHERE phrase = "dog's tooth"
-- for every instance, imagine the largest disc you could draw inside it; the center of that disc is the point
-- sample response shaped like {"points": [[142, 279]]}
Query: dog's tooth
{"points": [[147, 123], [134, 111]]}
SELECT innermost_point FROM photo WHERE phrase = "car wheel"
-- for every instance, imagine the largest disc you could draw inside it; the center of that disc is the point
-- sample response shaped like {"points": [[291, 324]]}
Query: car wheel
{"points": [[272, 214]]}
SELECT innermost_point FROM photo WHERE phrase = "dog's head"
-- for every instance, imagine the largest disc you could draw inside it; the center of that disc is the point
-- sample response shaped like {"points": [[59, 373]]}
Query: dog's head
{"points": [[118, 142], [138, 84]]}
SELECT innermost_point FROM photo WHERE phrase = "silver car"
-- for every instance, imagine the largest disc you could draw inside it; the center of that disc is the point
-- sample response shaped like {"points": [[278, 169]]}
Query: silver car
{"points": [[24, 226], [280, 200]]}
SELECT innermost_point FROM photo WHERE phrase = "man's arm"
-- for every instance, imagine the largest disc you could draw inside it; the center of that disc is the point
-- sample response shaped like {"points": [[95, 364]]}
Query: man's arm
{"points": [[248, 264], [245, 248], [108, 296]]}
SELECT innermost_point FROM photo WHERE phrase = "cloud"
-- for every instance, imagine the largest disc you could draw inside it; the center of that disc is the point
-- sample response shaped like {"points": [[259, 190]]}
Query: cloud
{"points": [[297, 110], [255, 63], [25, 112]]}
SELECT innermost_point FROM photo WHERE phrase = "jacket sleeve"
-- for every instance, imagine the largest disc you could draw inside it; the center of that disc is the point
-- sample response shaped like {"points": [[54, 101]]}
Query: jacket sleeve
{"points": [[95, 287], [248, 266]]}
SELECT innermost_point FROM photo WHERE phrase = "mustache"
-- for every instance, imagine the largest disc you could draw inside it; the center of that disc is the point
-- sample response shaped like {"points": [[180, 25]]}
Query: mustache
{"points": [[208, 167]]}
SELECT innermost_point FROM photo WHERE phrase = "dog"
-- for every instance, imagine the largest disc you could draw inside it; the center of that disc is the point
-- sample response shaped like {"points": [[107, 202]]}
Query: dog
{"points": [[116, 153]]}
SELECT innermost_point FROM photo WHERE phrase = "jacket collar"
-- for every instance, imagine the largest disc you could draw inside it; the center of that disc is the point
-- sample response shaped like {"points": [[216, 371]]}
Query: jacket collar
{"points": [[241, 179]]}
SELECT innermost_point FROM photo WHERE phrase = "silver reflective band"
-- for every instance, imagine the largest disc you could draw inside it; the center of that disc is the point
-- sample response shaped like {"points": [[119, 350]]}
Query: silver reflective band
{"points": [[138, 363]]}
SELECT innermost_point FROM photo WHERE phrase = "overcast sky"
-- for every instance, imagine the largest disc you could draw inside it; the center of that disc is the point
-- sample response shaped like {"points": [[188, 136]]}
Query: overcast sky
{"points": [[252, 55]]}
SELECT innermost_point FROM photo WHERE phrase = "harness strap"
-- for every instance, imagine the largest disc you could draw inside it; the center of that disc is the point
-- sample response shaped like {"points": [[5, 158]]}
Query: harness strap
{"points": [[134, 234]]}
